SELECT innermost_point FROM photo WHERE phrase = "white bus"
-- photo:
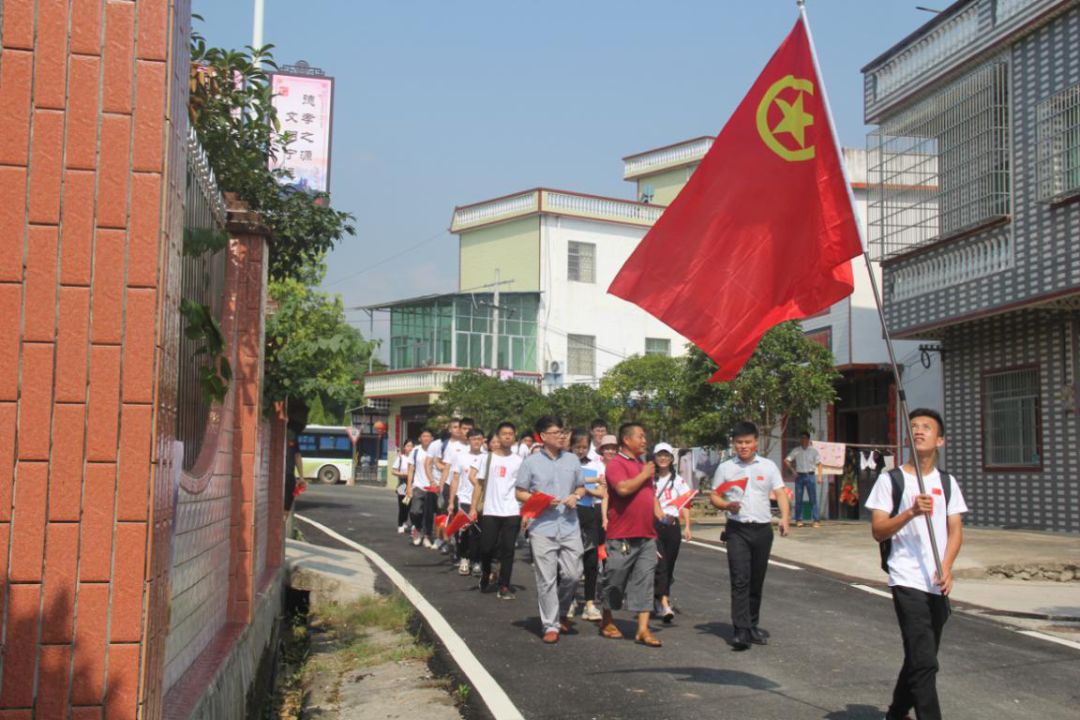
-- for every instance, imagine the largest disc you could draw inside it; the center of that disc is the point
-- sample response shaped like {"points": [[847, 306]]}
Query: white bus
{"points": [[327, 452]]}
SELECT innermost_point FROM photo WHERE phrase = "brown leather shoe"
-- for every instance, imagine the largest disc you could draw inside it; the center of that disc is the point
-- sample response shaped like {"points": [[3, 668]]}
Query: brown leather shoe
{"points": [[551, 637], [564, 624], [647, 638], [607, 626]]}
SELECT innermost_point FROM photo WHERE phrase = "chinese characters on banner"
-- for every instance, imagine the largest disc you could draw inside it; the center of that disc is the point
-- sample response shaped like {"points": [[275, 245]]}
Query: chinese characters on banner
{"points": [[304, 106]]}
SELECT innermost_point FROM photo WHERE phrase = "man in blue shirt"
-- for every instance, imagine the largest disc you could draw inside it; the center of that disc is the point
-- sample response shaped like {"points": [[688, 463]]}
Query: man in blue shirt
{"points": [[554, 535]]}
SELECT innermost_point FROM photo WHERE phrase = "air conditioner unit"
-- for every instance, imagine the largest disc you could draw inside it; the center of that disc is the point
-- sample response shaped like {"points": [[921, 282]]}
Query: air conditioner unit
{"points": [[554, 368]]}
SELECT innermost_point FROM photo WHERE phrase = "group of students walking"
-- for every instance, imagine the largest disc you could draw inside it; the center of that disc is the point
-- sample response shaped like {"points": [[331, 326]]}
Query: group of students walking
{"points": [[602, 508]]}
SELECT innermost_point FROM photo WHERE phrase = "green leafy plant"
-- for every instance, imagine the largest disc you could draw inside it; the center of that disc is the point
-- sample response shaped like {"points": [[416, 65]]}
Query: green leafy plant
{"points": [[215, 374], [198, 241]]}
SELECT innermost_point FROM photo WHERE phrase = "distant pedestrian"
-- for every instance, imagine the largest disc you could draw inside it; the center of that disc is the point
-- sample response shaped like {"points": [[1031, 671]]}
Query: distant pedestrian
{"points": [[588, 510], [631, 536], [805, 462], [421, 501], [461, 494], [669, 531], [920, 595], [554, 534], [524, 446], [597, 431], [401, 473], [749, 528], [500, 517]]}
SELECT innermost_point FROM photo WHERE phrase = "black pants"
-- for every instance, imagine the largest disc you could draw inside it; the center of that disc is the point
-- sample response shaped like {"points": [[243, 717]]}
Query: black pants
{"points": [[922, 616], [748, 547], [423, 513], [402, 510], [498, 533], [589, 521], [466, 539], [668, 542]]}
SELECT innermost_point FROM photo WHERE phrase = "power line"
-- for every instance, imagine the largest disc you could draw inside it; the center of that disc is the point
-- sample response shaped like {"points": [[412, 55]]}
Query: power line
{"points": [[393, 257]]}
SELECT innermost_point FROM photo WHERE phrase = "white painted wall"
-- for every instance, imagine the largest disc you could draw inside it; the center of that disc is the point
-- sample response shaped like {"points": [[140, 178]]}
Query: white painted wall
{"points": [[580, 308]]}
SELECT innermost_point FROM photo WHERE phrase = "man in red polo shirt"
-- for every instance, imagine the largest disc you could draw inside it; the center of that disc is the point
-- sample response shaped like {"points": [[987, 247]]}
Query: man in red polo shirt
{"points": [[631, 535]]}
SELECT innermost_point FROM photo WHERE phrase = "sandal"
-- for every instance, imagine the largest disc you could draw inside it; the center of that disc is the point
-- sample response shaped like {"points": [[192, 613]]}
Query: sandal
{"points": [[610, 631], [648, 639]]}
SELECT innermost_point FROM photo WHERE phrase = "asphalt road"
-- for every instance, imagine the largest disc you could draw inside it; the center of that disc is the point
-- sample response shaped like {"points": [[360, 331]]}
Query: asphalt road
{"points": [[834, 650]]}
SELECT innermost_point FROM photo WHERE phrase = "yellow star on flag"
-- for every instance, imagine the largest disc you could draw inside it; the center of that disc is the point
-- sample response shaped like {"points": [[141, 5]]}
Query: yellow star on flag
{"points": [[795, 120]]}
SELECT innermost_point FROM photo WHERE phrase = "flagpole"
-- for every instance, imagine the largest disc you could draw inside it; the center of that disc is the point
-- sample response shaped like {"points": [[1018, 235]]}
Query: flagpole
{"points": [[900, 394]]}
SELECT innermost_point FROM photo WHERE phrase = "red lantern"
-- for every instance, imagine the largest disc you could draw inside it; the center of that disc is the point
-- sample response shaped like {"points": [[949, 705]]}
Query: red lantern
{"points": [[380, 427]]}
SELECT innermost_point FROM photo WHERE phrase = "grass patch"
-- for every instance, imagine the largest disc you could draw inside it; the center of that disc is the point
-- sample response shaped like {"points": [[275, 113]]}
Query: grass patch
{"points": [[371, 631]]}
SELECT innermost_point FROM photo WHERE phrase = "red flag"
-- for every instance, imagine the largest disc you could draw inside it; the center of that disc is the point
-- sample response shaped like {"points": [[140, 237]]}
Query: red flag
{"points": [[764, 231], [731, 485], [537, 504], [460, 521]]}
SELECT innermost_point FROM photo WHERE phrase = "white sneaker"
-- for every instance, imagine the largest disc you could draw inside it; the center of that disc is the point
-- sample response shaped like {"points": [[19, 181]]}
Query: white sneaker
{"points": [[476, 571], [463, 567], [591, 613], [416, 540], [438, 543], [428, 544], [570, 611], [401, 530]]}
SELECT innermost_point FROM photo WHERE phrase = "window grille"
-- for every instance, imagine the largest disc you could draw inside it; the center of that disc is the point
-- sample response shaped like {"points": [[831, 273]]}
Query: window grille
{"points": [[941, 167], [1058, 140], [581, 355], [582, 262], [1011, 419], [657, 346]]}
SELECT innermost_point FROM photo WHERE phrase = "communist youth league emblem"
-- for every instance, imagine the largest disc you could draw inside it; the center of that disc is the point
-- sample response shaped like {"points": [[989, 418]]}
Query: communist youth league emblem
{"points": [[794, 119]]}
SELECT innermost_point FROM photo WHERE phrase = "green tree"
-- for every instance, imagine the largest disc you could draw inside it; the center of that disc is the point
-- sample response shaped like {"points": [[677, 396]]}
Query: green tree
{"points": [[647, 389], [786, 379], [231, 111], [578, 405], [489, 401], [312, 353]]}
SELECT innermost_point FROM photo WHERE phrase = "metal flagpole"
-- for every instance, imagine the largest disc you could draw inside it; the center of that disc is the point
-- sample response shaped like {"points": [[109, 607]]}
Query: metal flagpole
{"points": [[901, 396]]}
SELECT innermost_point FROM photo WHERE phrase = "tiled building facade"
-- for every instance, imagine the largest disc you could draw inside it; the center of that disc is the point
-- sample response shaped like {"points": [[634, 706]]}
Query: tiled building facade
{"points": [[975, 182], [94, 152]]}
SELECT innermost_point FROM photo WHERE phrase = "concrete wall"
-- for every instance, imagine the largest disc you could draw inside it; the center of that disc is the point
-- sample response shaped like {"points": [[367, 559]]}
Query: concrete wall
{"points": [[666, 185], [511, 247], [620, 327]]}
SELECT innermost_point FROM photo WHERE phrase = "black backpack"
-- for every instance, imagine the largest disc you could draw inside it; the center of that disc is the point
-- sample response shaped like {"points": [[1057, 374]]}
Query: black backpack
{"points": [[897, 477]]}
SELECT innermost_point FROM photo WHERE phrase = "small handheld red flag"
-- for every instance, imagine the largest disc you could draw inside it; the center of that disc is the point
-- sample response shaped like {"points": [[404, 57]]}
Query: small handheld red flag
{"points": [[764, 231], [731, 485], [440, 520], [683, 500], [461, 521], [537, 503]]}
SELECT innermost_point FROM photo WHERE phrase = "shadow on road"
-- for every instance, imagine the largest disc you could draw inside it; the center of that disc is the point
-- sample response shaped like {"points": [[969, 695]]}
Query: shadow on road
{"points": [[855, 712], [712, 676]]}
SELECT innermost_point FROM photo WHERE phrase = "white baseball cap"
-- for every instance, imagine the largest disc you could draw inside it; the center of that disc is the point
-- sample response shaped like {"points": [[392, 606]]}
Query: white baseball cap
{"points": [[663, 447]]}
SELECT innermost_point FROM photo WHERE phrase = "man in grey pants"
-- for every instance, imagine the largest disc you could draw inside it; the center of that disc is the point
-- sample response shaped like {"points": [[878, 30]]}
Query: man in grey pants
{"points": [[554, 535]]}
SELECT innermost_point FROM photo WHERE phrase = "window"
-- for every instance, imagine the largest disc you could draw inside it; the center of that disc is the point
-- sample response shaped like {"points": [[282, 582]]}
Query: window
{"points": [[581, 355], [940, 167], [657, 346], [581, 262], [1011, 419], [1058, 140]]}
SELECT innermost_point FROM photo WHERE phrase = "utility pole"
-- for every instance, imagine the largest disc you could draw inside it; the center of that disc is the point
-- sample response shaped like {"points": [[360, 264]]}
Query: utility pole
{"points": [[495, 323], [257, 25]]}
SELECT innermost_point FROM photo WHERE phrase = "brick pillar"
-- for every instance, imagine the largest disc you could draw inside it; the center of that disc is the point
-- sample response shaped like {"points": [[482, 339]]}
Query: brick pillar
{"points": [[93, 93], [247, 269]]}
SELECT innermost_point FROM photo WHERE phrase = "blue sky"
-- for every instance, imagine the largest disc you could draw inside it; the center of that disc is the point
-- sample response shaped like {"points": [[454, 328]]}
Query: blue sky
{"points": [[448, 102]]}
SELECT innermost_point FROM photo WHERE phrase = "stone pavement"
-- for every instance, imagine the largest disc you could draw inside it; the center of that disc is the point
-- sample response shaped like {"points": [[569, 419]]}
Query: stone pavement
{"points": [[988, 569]]}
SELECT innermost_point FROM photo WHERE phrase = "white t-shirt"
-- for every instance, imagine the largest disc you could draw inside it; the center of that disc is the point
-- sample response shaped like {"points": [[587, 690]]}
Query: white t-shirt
{"points": [[523, 451], [669, 489], [499, 499], [592, 473], [462, 464], [416, 459], [401, 464], [762, 477], [594, 454], [911, 563]]}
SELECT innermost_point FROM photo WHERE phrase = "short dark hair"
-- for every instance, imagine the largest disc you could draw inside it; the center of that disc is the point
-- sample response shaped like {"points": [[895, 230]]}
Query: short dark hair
{"points": [[547, 421], [804, 434], [626, 428], [597, 423], [506, 424], [526, 436], [744, 427], [467, 421], [474, 432], [932, 414], [425, 430], [578, 434]]}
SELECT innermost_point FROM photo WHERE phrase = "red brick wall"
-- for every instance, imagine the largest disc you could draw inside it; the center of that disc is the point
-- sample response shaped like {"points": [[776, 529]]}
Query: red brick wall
{"points": [[92, 170]]}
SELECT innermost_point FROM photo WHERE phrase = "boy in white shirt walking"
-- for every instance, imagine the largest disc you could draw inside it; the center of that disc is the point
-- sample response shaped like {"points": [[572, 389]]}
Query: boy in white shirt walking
{"points": [[920, 593]]}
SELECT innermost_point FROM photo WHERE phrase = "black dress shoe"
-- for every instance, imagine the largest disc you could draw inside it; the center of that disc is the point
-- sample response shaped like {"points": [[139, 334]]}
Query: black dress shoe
{"points": [[741, 641], [758, 636]]}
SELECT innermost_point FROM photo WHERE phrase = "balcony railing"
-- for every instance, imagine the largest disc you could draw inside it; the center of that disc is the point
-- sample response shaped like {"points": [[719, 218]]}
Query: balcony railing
{"points": [[666, 157], [559, 202], [393, 383], [957, 265]]}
